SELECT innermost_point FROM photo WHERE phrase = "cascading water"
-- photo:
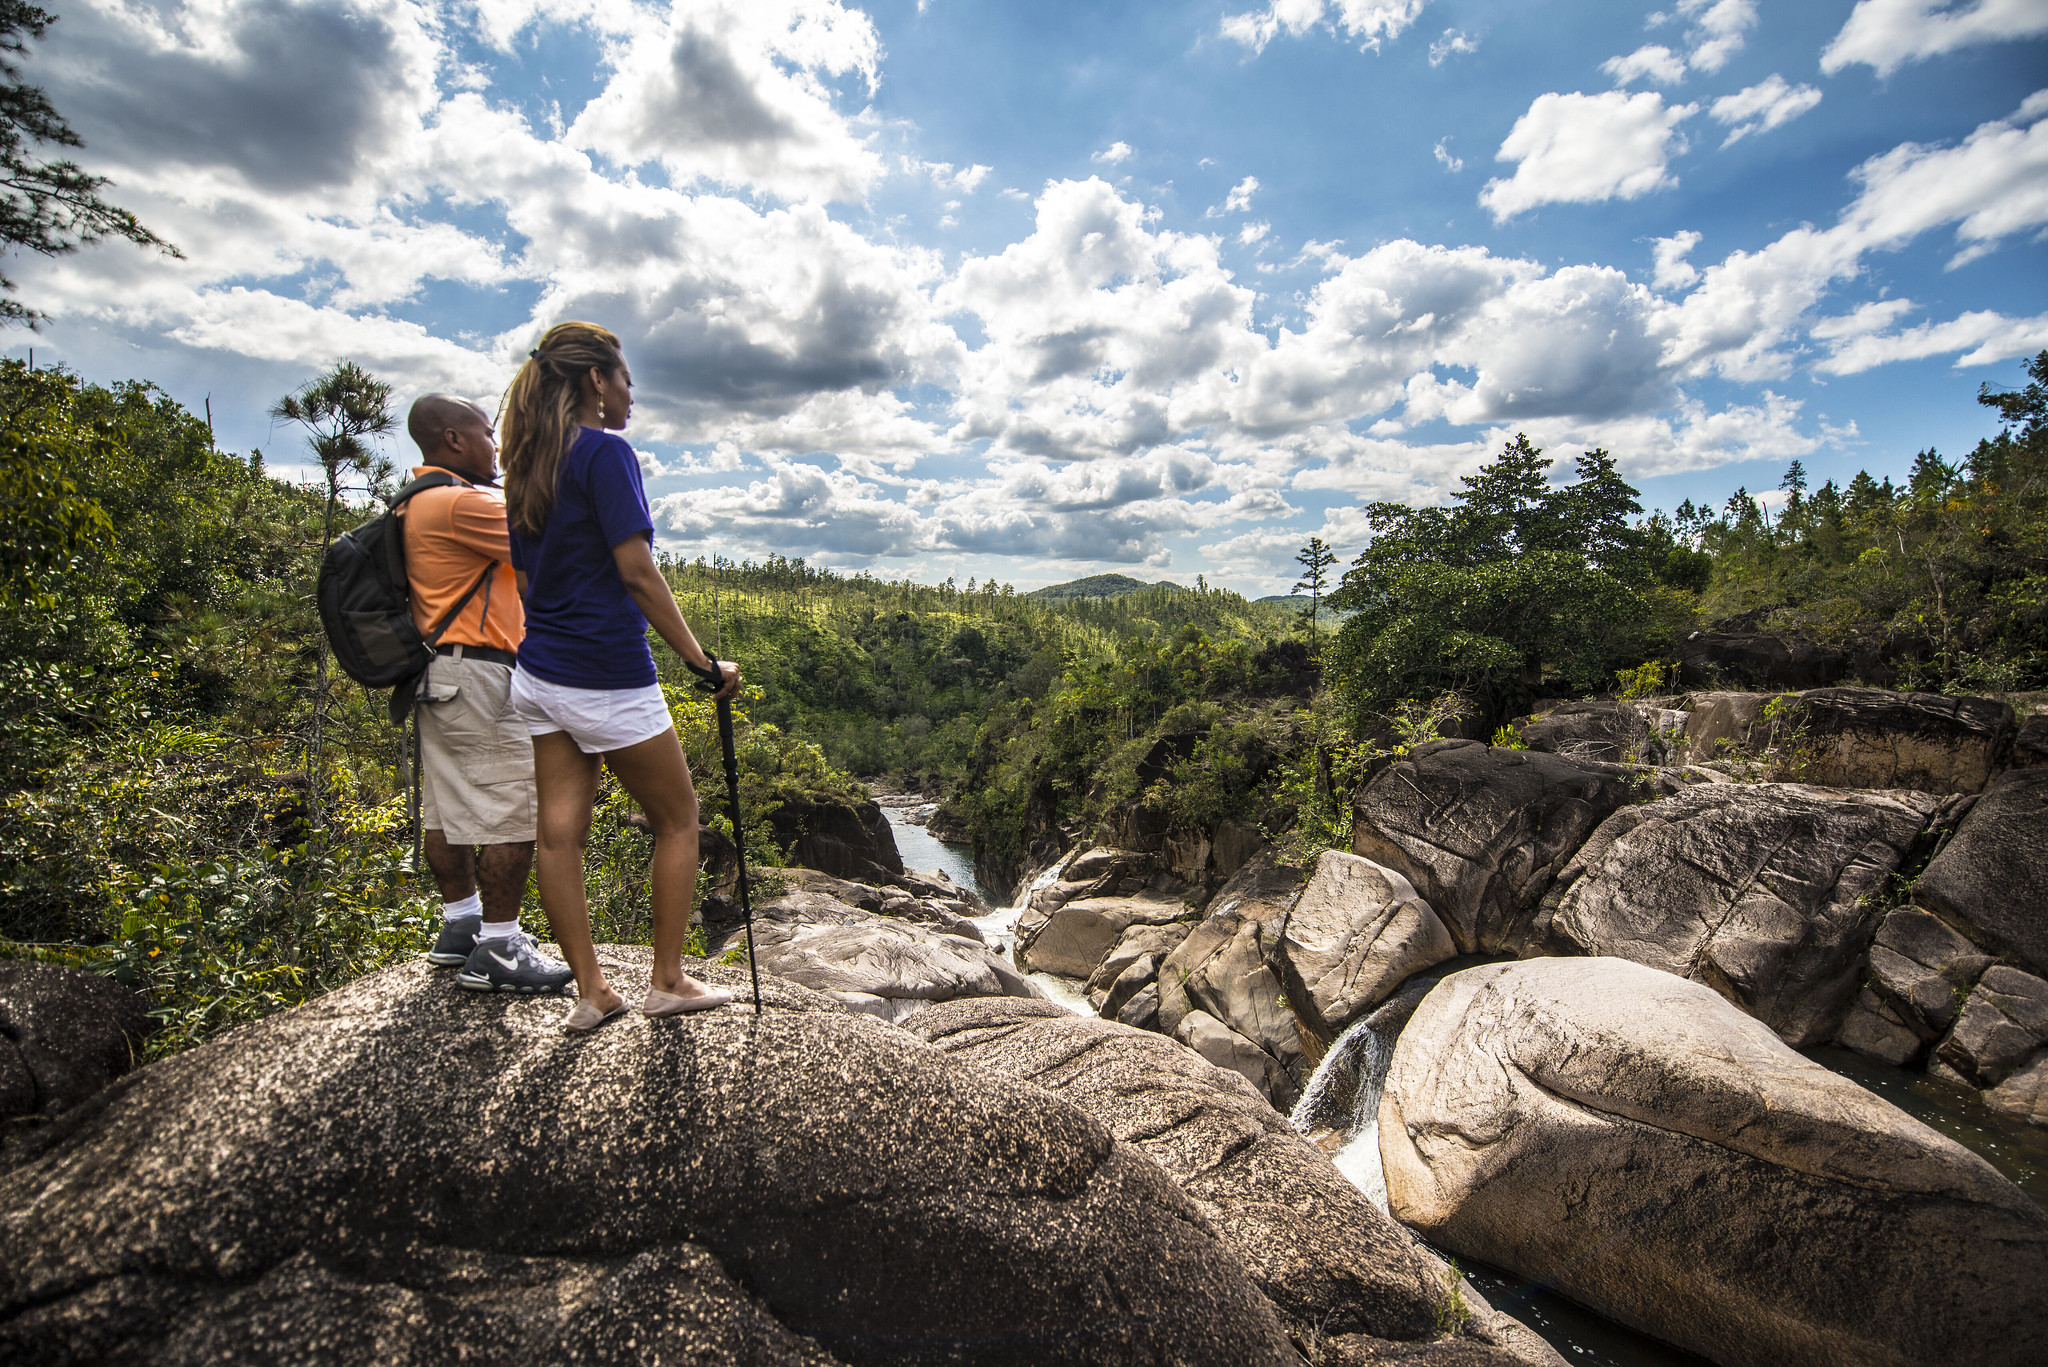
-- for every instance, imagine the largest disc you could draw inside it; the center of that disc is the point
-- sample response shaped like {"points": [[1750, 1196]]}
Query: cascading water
{"points": [[1342, 1099]]}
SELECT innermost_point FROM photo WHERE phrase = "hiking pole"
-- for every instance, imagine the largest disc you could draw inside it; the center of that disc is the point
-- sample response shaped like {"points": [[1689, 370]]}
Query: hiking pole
{"points": [[711, 679]]}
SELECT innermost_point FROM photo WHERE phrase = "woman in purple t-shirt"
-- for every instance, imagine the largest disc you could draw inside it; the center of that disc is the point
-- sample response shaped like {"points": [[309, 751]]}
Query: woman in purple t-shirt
{"points": [[582, 542]]}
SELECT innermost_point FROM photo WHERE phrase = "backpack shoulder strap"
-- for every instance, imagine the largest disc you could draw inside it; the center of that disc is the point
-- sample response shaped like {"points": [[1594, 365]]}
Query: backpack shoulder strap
{"points": [[394, 542]]}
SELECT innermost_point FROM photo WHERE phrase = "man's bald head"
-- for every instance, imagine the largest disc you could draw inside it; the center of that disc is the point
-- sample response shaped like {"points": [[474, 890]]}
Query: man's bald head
{"points": [[454, 434]]}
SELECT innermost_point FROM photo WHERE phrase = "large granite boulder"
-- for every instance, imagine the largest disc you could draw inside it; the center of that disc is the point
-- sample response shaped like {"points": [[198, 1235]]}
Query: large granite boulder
{"points": [[1356, 932], [63, 1036], [405, 1172], [1340, 1272], [1481, 832], [1920, 972], [1084, 872], [1722, 659], [1074, 939], [2030, 743], [1720, 725], [1875, 738], [1132, 964], [2001, 1034], [842, 837], [1221, 971], [1991, 879], [1765, 893], [1606, 731], [880, 964], [1629, 1138]]}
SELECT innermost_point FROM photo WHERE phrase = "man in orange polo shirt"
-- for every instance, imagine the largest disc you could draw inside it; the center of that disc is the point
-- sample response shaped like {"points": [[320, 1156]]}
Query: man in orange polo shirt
{"points": [[476, 757]]}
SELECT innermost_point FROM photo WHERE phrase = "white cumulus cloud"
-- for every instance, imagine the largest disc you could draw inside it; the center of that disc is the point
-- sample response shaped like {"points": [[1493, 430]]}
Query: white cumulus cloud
{"points": [[1581, 149], [1112, 154], [1454, 43], [1368, 21], [1652, 61], [1887, 34], [1762, 107]]}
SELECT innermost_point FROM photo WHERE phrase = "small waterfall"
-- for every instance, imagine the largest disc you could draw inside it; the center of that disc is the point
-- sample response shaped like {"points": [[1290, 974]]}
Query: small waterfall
{"points": [[999, 929], [1342, 1099]]}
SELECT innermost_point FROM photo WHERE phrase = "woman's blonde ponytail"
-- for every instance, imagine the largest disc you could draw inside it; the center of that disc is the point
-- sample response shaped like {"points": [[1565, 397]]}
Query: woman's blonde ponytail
{"points": [[538, 420]]}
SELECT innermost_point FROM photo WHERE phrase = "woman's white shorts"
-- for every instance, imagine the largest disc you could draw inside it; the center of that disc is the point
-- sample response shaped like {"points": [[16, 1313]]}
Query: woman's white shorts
{"points": [[599, 720]]}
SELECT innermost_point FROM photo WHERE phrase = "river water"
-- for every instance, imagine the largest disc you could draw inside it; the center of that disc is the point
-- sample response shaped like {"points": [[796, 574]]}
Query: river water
{"points": [[920, 850]]}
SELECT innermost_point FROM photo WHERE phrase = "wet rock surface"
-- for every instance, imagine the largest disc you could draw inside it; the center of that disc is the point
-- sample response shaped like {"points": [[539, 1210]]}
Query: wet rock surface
{"points": [[1632, 1139], [1334, 1266], [1764, 892], [1481, 832], [405, 1172], [63, 1036]]}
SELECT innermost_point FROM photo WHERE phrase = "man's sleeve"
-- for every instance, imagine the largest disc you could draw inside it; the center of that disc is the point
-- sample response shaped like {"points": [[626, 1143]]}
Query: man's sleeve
{"points": [[616, 495], [476, 521]]}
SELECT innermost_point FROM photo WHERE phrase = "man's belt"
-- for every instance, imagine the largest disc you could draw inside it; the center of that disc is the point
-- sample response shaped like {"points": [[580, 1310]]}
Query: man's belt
{"points": [[488, 654]]}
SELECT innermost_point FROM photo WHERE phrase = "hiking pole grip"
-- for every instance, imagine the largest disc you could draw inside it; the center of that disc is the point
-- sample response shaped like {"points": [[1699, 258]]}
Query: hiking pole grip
{"points": [[709, 681]]}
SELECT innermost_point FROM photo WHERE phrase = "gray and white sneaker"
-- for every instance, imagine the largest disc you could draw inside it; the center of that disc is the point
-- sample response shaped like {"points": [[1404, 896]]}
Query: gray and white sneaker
{"points": [[513, 965], [457, 939]]}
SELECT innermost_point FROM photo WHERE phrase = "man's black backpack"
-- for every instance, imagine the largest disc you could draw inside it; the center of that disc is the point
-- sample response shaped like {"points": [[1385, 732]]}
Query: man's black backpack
{"points": [[366, 602]]}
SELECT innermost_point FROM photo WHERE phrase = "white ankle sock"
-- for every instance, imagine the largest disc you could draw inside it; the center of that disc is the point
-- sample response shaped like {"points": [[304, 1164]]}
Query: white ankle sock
{"points": [[472, 905], [498, 930]]}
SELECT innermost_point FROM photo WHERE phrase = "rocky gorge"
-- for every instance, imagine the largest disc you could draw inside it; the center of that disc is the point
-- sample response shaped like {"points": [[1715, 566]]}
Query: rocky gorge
{"points": [[1546, 1014]]}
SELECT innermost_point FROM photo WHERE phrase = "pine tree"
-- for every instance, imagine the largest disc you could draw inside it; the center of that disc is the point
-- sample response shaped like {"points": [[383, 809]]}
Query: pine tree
{"points": [[48, 207], [340, 410], [1315, 560]]}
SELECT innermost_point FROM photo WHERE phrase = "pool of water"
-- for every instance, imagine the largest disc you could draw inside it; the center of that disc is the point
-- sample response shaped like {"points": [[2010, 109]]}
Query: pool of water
{"points": [[2015, 1148], [921, 851]]}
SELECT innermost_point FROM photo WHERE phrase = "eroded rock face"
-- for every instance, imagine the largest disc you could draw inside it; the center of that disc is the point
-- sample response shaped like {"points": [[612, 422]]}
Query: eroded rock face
{"points": [[2003, 1028], [1132, 964], [1875, 738], [63, 1036], [1992, 876], [1721, 659], [2030, 743], [1762, 892], [1605, 731], [1482, 832], [1925, 967], [1324, 1255], [405, 1172], [875, 963], [1225, 1048], [844, 839], [1632, 1139], [1355, 933], [1718, 724], [1074, 939]]}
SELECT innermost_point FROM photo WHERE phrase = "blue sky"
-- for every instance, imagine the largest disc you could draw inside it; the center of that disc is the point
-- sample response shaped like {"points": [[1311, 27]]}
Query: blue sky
{"points": [[1038, 290]]}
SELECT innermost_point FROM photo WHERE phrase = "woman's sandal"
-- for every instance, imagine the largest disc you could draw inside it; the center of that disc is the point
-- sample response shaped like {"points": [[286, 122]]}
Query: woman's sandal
{"points": [[585, 1016], [660, 1003]]}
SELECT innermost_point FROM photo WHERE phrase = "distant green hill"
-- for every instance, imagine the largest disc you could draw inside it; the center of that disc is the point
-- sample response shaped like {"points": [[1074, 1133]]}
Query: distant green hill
{"points": [[1095, 586]]}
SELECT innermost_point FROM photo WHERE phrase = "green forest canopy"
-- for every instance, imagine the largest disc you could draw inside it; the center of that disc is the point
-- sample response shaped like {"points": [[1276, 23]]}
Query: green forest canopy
{"points": [[158, 657]]}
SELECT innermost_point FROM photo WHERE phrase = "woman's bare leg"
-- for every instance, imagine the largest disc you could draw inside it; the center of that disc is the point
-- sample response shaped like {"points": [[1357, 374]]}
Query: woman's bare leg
{"points": [[658, 777], [565, 781]]}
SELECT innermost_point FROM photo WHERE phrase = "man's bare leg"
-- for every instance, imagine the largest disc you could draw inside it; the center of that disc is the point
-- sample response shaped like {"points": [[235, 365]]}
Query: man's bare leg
{"points": [[454, 867], [502, 874]]}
